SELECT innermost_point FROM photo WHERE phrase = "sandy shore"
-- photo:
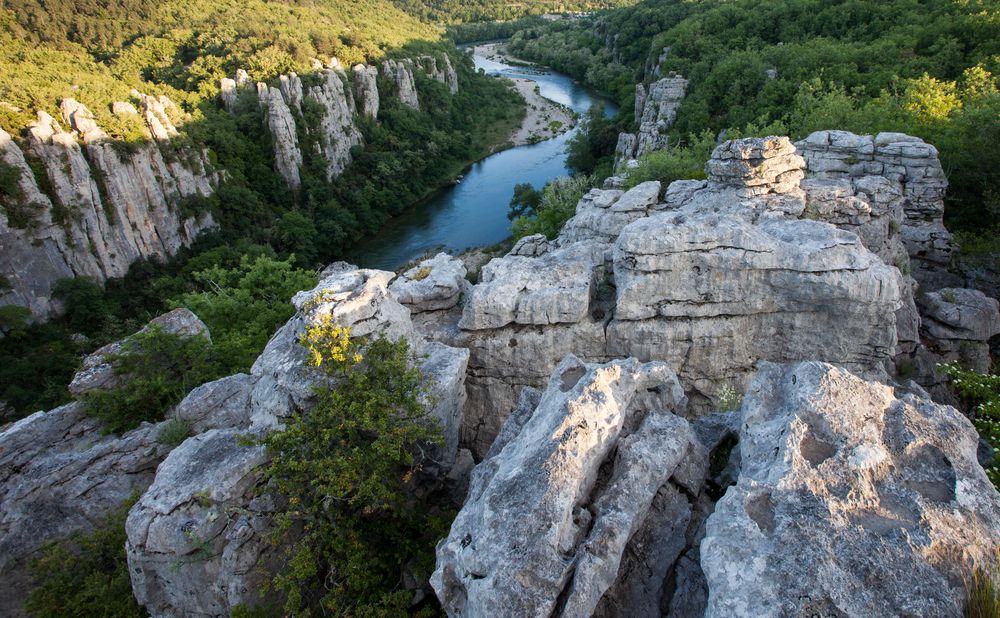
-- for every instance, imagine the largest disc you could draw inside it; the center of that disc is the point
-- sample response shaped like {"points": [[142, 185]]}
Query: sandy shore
{"points": [[545, 118]]}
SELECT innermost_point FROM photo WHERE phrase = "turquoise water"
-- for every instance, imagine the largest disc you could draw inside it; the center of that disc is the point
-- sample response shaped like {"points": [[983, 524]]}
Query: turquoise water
{"points": [[474, 213]]}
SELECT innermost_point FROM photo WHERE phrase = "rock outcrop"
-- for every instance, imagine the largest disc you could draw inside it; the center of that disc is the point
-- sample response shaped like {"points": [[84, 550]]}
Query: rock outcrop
{"points": [[105, 204], [338, 131], [400, 73], [655, 111], [914, 167], [432, 285], [198, 539], [711, 278], [580, 484], [440, 69], [279, 121], [851, 501], [365, 81]]}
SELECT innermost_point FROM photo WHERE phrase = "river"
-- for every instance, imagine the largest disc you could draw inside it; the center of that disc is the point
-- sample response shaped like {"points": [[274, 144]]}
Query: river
{"points": [[474, 212]]}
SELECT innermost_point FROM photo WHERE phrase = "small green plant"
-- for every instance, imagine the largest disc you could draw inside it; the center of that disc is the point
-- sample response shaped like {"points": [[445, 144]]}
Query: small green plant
{"points": [[350, 525], [174, 432], [728, 398], [422, 273], [982, 392], [906, 368], [949, 296], [86, 575]]}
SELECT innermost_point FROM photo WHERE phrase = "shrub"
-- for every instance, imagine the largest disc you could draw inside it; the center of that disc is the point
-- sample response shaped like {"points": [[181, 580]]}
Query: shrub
{"points": [[983, 591], [174, 432], [556, 206], [86, 575], [157, 369], [350, 526], [680, 162], [982, 392]]}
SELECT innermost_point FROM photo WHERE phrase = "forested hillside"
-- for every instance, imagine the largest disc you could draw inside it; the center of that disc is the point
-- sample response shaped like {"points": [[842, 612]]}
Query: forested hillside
{"points": [[924, 67], [451, 11], [101, 53]]}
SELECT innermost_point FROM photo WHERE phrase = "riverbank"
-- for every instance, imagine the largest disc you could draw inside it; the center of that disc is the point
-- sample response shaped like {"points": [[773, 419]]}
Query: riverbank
{"points": [[544, 118]]}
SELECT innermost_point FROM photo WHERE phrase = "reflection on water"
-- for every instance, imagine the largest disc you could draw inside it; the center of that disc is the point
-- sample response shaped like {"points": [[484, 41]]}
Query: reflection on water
{"points": [[474, 213]]}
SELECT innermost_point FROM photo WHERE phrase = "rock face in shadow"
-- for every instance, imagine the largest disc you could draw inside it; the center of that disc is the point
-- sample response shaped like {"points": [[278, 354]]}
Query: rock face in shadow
{"points": [[851, 501], [582, 478], [88, 206]]}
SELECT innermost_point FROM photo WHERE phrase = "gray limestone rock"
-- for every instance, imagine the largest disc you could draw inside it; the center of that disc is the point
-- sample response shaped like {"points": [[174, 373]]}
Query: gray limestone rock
{"points": [[852, 501], [957, 325], [279, 121], [551, 289], [338, 132], [97, 372], [659, 109], [553, 510], [197, 539], [59, 475], [602, 214], [400, 72], [432, 285], [365, 83], [531, 246]]}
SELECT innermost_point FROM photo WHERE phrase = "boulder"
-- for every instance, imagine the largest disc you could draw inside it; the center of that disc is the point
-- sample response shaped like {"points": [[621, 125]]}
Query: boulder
{"points": [[432, 285], [957, 325], [563, 503], [99, 374], [551, 289], [602, 214], [851, 501]]}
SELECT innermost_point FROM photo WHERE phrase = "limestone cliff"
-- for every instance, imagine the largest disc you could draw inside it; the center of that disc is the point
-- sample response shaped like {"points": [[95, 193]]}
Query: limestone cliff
{"points": [[655, 111], [86, 205]]}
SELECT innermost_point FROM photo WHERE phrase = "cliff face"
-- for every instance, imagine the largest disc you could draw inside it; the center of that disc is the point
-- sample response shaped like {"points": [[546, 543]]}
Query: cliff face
{"points": [[86, 206]]}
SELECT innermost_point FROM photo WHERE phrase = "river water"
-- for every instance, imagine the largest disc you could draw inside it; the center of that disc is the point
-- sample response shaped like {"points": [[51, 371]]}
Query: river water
{"points": [[474, 213]]}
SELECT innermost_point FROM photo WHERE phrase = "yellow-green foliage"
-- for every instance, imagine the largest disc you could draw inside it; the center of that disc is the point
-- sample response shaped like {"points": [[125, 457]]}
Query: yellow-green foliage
{"points": [[349, 526]]}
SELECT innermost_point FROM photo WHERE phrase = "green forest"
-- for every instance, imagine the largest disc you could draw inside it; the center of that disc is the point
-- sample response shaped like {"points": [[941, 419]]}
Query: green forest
{"points": [[97, 54], [924, 67]]}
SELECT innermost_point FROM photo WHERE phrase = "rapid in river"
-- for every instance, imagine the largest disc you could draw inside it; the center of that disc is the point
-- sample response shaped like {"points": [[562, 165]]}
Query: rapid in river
{"points": [[474, 212]]}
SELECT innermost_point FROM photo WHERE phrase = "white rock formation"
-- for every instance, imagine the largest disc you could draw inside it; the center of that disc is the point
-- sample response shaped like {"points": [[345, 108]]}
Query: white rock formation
{"points": [[716, 276], [279, 121], [432, 285], [198, 540], [400, 72], [105, 205], [576, 485], [338, 132], [365, 81], [655, 111], [440, 69], [851, 501]]}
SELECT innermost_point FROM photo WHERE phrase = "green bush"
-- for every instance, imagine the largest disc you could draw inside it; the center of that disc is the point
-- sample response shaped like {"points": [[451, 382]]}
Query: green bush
{"points": [[349, 526], [556, 206], [680, 162], [157, 370], [982, 392], [86, 575]]}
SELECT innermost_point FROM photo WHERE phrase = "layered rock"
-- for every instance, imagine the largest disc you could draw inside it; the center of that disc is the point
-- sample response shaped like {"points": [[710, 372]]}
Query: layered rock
{"points": [[365, 81], [655, 111], [400, 73], [581, 481], [60, 475], [712, 278], [914, 166], [851, 501], [105, 205]]}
